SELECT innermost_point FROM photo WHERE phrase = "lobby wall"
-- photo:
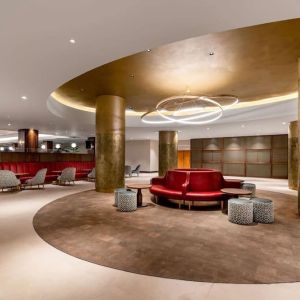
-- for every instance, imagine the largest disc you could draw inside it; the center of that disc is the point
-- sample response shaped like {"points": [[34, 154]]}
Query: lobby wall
{"points": [[251, 156], [142, 152]]}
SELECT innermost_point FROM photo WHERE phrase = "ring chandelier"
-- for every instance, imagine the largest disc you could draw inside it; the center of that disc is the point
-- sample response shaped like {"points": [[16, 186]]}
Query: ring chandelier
{"points": [[188, 109]]}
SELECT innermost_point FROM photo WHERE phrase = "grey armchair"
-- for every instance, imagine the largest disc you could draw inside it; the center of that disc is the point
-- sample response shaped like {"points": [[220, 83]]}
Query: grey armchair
{"points": [[128, 171], [8, 180], [67, 175], [92, 174], [136, 171], [38, 179]]}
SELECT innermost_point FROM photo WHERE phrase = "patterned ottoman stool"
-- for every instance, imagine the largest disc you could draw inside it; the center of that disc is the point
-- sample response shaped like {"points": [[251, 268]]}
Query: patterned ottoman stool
{"points": [[117, 192], [263, 210], [250, 187], [127, 201], [240, 211]]}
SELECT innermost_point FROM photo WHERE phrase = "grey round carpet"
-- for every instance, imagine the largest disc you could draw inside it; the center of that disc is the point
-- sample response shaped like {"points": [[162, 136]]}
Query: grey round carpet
{"points": [[166, 242]]}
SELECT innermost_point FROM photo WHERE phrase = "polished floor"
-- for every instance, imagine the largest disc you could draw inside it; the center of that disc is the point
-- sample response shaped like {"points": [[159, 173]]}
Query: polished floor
{"points": [[32, 269], [161, 241]]}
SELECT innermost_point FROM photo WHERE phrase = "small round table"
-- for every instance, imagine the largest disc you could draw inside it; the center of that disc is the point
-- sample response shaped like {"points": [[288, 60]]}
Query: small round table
{"points": [[139, 196], [234, 193]]}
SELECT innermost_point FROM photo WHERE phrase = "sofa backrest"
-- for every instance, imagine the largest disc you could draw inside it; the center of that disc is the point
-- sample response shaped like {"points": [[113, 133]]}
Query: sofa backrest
{"points": [[205, 181], [175, 179], [33, 167]]}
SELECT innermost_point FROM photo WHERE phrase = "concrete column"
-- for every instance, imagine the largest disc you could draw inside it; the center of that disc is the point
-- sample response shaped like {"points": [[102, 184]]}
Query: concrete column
{"points": [[110, 143], [168, 147], [293, 155]]}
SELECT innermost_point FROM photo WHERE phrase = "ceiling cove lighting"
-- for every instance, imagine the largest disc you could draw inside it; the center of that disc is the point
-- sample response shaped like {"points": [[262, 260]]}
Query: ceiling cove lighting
{"points": [[188, 109]]}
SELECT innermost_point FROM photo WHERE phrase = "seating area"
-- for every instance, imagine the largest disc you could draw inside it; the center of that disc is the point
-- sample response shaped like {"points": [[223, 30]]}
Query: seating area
{"points": [[36, 173], [190, 186]]}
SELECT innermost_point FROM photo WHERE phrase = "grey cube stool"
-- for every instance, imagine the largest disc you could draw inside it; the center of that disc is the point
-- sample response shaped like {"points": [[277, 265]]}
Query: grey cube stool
{"points": [[250, 187], [240, 211], [117, 192], [127, 201], [263, 210]]}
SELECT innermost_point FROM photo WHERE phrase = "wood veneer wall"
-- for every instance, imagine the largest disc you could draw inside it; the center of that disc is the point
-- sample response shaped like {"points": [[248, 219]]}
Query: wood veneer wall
{"points": [[251, 156], [44, 157], [184, 158]]}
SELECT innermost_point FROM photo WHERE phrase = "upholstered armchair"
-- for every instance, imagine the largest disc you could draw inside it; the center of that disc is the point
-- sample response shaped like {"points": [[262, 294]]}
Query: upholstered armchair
{"points": [[67, 175], [92, 174], [128, 171], [8, 180], [136, 171], [38, 179]]}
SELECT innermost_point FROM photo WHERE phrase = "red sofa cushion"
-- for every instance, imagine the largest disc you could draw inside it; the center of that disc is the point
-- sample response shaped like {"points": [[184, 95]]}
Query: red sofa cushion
{"points": [[205, 181], [204, 196], [163, 191], [175, 179]]}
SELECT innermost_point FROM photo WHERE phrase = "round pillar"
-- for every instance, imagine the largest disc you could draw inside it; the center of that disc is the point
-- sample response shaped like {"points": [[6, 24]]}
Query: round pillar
{"points": [[168, 146], [110, 143], [298, 133], [293, 156]]}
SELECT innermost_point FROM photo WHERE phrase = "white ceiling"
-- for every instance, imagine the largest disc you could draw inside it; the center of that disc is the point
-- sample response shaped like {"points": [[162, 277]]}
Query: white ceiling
{"points": [[36, 56]]}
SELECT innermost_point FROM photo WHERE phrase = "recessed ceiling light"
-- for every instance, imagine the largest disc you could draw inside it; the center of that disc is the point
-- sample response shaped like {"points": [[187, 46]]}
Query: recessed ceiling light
{"points": [[283, 123], [24, 98], [211, 53], [148, 50], [72, 41], [9, 124]]}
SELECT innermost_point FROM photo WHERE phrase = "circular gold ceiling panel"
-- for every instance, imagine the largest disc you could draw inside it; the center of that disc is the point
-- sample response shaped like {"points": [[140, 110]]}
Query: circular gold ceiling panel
{"points": [[253, 63]]}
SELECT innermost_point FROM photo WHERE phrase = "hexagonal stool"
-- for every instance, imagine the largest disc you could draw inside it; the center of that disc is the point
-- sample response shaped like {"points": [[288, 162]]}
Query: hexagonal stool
{"points": [[263, 210], [117, 191], [127, 201], [250, 187], [240, 211]]}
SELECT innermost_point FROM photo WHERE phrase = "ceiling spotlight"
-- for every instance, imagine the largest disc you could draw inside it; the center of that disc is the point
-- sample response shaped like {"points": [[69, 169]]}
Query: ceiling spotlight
{"points": [[283, 123], [243, 125], [24, 98], [72, 41], [9, 124], [211, 53], [148, 50]]}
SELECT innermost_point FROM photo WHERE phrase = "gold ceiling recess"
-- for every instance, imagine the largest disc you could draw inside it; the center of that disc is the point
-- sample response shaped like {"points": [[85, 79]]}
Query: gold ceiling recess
{"points": [[257, 63]]}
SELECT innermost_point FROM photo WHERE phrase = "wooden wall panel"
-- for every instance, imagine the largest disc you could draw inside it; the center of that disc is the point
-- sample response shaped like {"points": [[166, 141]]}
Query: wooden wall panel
{"points": [[184, 159], [234, 169], [258, 170], [256, 156]]}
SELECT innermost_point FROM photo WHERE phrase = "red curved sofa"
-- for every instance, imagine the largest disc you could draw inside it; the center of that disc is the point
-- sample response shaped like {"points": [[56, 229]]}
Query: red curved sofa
{"points": [[32, 167], [192, 185]]}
